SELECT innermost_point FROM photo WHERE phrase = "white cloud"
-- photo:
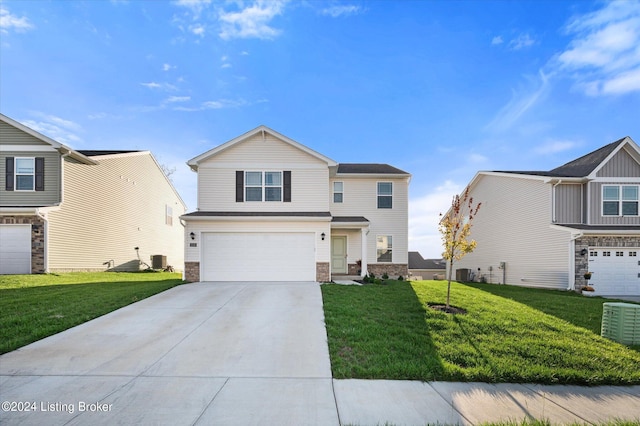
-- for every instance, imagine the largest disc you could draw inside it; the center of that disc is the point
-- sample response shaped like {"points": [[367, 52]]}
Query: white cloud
{"points": [[604, 55], [252, 21], [477, 158], [522, 41], [168, 67], [160, 86], [497, 40], [342, 10], [197, 29], [521, 102], [58, 129], [195, 6], [424, 216], [555, 146], [9, 22], [174, 99]]}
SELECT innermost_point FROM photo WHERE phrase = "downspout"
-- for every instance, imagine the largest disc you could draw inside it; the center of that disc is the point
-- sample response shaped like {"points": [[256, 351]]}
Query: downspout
{"points": [[553, 201]]}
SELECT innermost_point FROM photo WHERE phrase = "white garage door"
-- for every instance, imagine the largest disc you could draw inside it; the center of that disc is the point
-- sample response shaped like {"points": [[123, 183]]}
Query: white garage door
{"points": [[258, 256], [616, 271], [15, 249]]}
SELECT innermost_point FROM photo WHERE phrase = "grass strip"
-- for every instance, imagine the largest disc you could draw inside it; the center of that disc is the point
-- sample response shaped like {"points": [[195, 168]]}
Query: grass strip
{"points": [[36, 306]]}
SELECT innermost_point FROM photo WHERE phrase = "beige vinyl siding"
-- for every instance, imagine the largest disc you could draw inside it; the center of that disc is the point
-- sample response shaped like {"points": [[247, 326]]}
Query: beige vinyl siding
{"points": [[361, 198], [111, 208], [620, 165], [323, 248], [10, 135], [51, 194], [217, 179], [568, 203], [513, 226], [595, 205]]}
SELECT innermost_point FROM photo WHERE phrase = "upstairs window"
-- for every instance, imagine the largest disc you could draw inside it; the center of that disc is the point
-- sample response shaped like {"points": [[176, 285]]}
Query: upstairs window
{"points": [[25, 174], [338, 192], [168, 215], [385, 195], [263, 186], [620, 200]]}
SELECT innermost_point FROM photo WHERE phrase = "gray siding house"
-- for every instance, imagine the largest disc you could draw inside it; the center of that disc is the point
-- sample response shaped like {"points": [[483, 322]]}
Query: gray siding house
{"points": [[548, 228], [68, 210]]}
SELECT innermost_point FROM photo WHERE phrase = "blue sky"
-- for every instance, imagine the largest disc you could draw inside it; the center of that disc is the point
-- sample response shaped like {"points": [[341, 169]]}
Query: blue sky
{"points": [[441, 89]]}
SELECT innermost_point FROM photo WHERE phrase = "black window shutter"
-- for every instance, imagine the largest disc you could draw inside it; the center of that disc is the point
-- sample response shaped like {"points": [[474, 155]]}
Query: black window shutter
{"points": [[39, 174], [239, 186], [9, 174], [286, 188]]}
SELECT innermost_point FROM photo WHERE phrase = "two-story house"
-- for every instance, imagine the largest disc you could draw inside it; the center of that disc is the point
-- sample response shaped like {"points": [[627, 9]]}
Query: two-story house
{"points": [[68, 210], [272, 209], [548, 228]]}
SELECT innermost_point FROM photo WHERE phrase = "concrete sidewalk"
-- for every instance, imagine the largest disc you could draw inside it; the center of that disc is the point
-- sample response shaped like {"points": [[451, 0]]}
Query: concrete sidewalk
{"points": [[380, 402], [250, 354]]}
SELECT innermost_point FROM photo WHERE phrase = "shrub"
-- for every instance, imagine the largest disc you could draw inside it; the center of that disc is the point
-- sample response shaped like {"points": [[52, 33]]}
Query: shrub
{"points": [[385, 276]]}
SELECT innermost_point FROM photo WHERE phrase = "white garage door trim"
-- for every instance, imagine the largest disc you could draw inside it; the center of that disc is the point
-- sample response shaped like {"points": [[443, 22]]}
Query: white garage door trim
{"points": [[258, 256], [616, 270], [15, 249]]}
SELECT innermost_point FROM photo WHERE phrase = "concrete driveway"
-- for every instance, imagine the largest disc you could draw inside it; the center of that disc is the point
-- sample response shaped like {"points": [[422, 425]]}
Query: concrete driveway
{"points": [[206, 353]]}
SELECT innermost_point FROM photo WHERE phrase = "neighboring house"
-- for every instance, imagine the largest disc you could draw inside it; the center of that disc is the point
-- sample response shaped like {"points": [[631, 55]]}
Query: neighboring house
{"points": [[425, 269], [67, 210], [272, 209], [546, 229]]}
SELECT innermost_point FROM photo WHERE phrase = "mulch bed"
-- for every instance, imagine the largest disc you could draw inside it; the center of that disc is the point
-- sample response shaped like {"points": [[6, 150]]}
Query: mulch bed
{"points": [[451, 310]]}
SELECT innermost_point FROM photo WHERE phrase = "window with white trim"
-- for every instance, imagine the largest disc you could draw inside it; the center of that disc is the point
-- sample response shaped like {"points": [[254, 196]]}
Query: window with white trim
{"points": [[25, 174], [168, 215], [620, 200], [384, 248], [263, 186], [385, 195], [338, 192]]}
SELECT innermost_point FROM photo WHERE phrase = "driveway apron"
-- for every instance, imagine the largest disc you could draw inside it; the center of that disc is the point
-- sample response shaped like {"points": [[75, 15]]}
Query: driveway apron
{"points": [[205, 353]]}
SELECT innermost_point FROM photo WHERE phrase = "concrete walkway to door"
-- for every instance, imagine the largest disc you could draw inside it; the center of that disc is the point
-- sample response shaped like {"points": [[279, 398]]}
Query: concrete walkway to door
{"points": [[206, 353]]}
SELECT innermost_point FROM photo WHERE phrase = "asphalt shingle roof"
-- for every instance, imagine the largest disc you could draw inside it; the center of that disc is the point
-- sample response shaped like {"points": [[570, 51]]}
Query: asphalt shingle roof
{"points": [[369, 168]]}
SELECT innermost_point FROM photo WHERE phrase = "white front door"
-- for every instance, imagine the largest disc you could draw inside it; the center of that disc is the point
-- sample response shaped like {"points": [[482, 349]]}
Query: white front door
{"points": [[616, 271], [339, 255]]}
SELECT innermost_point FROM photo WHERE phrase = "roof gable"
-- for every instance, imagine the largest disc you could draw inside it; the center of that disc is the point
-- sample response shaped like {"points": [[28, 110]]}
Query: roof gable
{"points": [[63, 149], [260, 131]]}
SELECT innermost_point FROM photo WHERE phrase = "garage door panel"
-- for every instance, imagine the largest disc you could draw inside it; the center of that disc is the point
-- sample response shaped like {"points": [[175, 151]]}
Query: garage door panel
{"points": [[15, 249], [616, 271], [258, 256]]}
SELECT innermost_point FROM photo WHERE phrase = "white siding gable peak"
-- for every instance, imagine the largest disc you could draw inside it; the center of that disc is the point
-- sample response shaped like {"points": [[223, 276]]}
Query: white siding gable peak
{"points": [[260, 130], [627, 143]]}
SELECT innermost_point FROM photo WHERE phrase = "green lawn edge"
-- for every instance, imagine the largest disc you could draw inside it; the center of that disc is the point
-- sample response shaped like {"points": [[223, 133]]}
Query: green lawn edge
{"points": [[509, 335], [33, 307]]}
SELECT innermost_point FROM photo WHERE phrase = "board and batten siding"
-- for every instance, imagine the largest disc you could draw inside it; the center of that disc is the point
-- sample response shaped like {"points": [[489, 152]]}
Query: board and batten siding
{"points": [[361, 199], [513, 226], [620, 165], [111, 208], [51, 194], [309, 177], [192, 253], [568, 203]]}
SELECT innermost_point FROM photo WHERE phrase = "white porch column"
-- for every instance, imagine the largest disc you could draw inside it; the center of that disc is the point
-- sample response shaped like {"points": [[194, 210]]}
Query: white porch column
{"points": [[363, 267]]}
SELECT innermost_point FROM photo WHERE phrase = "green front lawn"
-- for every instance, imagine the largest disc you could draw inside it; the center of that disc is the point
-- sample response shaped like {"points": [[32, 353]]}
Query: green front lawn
{"points": [[510, 334], [36, 306]]}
